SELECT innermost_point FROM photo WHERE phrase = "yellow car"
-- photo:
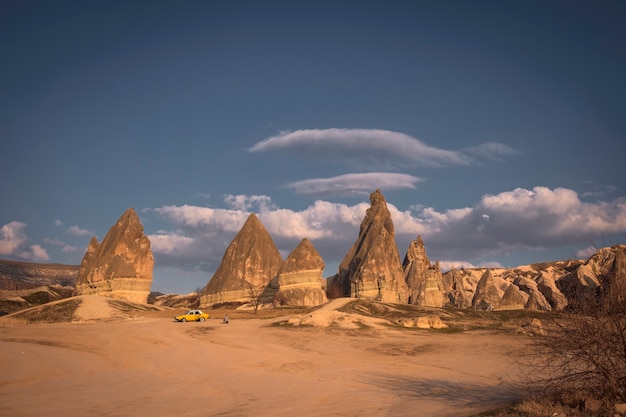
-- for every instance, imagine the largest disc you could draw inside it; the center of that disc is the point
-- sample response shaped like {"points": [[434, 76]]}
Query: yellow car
{"points": [[192, 315]]}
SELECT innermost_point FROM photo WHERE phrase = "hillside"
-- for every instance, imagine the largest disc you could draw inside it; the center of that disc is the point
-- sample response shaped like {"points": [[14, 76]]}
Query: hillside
{"points": [[24, 284]]}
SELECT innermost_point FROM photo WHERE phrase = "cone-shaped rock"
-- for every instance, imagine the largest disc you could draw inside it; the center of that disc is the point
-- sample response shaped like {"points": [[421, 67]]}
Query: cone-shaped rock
{"points": [[249, 263], [489, 292], [513, 298], [371, 268], [300, 278], [425, 283], [121, 266]]}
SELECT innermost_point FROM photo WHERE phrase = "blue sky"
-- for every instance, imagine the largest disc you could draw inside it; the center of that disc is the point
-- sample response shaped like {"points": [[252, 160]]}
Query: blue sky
{"points": [[494, 129]]}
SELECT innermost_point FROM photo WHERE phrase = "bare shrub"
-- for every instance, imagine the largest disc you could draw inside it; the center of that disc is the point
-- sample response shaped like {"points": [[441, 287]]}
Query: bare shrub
{"points": [[583, 355]]}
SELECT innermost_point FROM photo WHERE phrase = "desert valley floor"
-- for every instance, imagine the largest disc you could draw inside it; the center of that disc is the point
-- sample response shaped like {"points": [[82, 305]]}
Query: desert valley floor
{"points": [[154, 366]]}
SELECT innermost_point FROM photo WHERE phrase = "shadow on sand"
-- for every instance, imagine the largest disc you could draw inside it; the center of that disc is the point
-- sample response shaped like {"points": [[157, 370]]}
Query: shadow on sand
{"points": [[450, 392]]}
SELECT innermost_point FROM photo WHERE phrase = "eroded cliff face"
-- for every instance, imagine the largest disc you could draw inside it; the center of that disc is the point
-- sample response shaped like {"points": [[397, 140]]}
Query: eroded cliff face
{"points": [[371, 269], [249, 263], [121, 266], [300, 278]]}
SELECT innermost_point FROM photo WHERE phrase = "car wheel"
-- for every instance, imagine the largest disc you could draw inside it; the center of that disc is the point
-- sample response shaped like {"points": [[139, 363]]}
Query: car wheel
{"points": [[183, 320], [201, 318]]}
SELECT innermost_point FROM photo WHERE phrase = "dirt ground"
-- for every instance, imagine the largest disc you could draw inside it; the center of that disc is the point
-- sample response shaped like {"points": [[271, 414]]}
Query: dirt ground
{"points": [[154, 366]]}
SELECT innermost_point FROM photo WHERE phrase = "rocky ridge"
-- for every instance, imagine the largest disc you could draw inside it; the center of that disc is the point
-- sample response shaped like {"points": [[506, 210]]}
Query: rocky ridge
{"points": [[253, 269], [24, 284]]}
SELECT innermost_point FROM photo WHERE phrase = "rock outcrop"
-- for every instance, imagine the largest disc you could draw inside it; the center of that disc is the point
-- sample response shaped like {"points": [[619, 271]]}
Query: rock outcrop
{"points": [[424, 282], [371, 269], [460, 286], [552, 294], [489, 292], [15, 275], [300, 278], [536, 300], [513, 298], [603, 273], [250, 262], [121, 266]]}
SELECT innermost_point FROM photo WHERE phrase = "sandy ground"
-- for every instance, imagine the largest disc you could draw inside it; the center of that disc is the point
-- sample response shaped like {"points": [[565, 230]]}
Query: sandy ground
{"points": [[157, 367]]}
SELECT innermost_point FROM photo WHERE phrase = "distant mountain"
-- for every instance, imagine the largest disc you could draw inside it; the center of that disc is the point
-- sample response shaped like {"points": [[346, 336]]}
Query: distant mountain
{"points": [[25, 284]]}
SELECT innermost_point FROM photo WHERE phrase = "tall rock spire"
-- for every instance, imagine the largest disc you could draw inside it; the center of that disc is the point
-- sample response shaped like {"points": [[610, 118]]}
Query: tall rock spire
{"points": [[249, 263], [371, 268], [121, 266], [425, 282]]}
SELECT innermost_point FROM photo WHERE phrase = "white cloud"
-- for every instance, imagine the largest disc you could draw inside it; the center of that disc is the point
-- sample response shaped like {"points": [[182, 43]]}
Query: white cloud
{"points": [[383, 147], [355, 184], [65, 248], [14, 242], [248, 202], [199, 217], [37, 252], [170, 242], [12, 237], [77, 231], [58, 223], [448, 265], [521, 219]]}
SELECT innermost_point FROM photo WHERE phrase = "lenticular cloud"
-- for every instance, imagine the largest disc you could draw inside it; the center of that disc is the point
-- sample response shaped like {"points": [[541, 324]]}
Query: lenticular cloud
{"points": [[368, 143]]}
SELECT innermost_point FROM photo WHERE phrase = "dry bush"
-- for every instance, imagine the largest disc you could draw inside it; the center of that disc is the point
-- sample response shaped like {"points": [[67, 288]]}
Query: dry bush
{"points": [[584, 353]]}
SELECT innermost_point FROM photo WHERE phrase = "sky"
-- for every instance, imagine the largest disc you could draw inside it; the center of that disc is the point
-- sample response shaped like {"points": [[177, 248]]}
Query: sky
{"points": [[494, 129]]}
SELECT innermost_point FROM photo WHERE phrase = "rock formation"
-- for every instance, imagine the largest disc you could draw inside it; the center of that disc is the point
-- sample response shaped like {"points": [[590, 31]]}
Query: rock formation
{"points": [[371, 269], [300, 278], [460, 286], [424, 282], [121, 266], [552, 294], [489, 292], [536, 300], [604, 272], [249, 263], [513, 298]]}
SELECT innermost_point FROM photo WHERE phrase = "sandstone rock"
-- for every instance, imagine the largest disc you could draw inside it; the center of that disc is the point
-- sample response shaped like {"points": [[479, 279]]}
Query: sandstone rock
{"points": [[592, 404], [407, 322], [532, 328], [300, 278], [536, 300], [371, 269], [422, 322], [121, 266], [430, 322], [488, 294], [513, 298], [249, 263], [424, 282], [604, 272], [460, 287], [548, 288]]}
